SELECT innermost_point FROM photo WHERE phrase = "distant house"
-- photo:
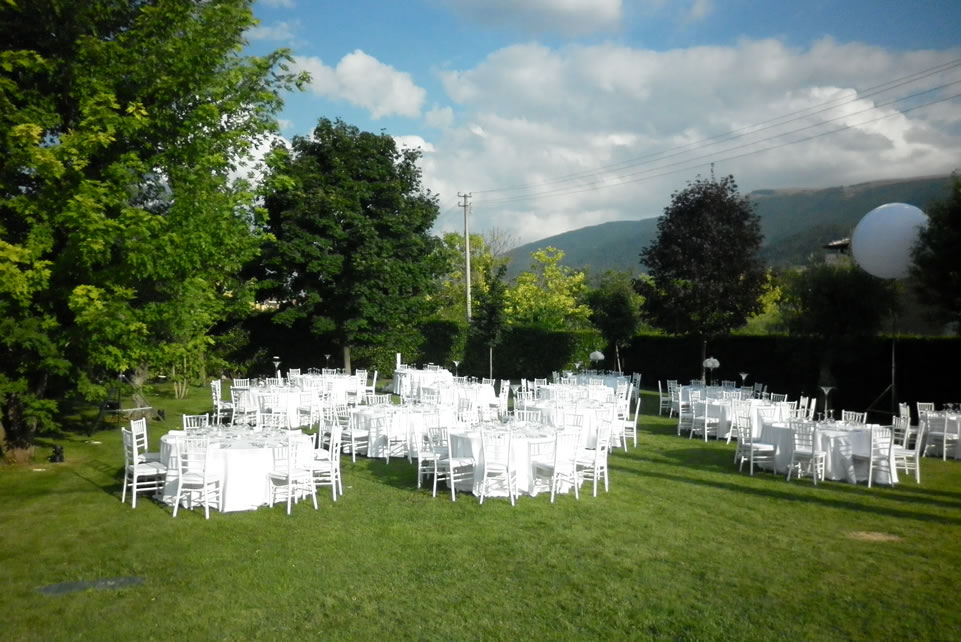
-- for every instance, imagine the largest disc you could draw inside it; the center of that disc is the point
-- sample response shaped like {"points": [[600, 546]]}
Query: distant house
{"points": [[838, 252]]}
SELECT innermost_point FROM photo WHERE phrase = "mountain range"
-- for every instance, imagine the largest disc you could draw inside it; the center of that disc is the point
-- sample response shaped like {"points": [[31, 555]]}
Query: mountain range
{"points": [[796, 223]]}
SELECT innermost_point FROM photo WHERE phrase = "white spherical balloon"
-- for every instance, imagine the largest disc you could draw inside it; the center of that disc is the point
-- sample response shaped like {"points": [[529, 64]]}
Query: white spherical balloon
{"points": [[882, 240]]}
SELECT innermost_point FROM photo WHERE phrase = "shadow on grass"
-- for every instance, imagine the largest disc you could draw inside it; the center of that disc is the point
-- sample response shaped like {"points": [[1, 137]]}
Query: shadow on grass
{"points": [[397, 474], [793, 496]]}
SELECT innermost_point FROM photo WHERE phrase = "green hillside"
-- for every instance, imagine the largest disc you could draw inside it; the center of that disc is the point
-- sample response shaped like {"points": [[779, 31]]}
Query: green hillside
{"points": [[795, 223]]}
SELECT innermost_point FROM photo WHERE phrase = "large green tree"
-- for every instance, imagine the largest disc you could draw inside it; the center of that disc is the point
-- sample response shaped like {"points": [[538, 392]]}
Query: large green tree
{"points": [[615, 310], [353, 253], [489, 318], [549, 295], [834, 301], [937, 267], [705, 274], [121, 231]]}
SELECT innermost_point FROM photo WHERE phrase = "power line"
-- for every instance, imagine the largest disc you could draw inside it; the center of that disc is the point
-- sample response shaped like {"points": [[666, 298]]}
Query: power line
{"points": [[684, 165], [746, 131]]}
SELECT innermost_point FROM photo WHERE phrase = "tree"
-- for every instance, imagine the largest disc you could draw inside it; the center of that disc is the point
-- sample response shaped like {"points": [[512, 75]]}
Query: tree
{"points": [[549, 295], [353, 253], [706, 276], [936, 270], [452, 290], [836, 301], [615, 310], [489, 319], [121, 233]]}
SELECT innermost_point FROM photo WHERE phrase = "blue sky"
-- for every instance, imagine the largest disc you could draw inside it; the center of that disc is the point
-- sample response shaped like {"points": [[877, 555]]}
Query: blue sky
{"points": [[557, 114]]}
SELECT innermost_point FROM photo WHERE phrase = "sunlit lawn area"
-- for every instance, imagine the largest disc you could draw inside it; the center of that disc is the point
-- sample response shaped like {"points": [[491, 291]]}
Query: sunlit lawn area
{"points": [[683, 547]]}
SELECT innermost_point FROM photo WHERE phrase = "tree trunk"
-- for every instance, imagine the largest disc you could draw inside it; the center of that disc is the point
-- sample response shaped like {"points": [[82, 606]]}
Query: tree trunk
{"points": [[347, 369], [617, 358], [490, 361]]}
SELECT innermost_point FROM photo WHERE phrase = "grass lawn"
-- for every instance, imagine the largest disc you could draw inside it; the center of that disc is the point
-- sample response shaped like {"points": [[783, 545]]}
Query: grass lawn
{"points": [[683, 547]]}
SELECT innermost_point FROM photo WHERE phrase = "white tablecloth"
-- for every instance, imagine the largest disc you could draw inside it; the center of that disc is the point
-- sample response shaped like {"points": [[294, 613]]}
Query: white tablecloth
{"points": [[839, 442], [243, 460], [411, 421], [408, 381], [529, 441]]}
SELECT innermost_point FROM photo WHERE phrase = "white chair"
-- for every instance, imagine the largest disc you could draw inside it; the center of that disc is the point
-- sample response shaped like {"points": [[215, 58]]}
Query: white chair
{"points": [[222, 409], [529, 416], [685, 411], [372, 388], [752, 451], [273, 421], [244, 411], [466, 412], [627, 424], [497, 449], [592, 462], [562, 467], [139, 476], [778, 398], [355, 436], [326, 463], [374, 399], [309, 409], [879, 452], [907, 456], [240, 383], [293, 474], [944, 429], [446, 465], [422, 447], [398, 437], [141, 441], [702, 423], [853, 417], [196, 479], [663, 399], [196, 423], [806, 451]]}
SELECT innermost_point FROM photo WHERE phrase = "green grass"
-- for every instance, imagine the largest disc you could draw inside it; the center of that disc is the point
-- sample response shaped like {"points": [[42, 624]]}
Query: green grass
{"points": [[683, 547]]}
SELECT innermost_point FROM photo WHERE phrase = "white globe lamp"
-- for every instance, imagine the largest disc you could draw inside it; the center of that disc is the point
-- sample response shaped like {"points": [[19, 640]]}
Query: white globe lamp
{"points": [[882, 240]]}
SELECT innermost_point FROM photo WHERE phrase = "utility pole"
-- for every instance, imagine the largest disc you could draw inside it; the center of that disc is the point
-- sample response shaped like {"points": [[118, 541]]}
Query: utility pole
{"points": [[466, 207]]}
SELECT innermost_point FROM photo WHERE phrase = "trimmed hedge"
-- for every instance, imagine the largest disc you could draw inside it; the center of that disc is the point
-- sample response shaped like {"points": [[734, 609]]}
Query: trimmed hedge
{"points": [[858, 368]]}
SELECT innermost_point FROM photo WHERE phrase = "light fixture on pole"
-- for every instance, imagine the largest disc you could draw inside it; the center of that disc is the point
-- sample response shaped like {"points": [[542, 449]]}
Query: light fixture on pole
{"points": [[277, 365], [881, 245]]}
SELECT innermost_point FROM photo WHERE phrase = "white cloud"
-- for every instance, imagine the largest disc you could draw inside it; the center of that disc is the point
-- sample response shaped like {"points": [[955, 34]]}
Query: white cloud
{"points": [[439, 117], [282, 31], [700, 9], [366, 82], [286, 4], [557, 138], [569, 17]]}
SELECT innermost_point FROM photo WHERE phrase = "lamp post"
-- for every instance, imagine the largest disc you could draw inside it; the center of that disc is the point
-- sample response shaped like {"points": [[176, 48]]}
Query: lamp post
{"points": [[277, 365]]}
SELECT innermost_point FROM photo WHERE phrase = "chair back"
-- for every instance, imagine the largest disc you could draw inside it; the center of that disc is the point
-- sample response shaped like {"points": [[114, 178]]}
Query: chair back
{"points": [[881, 442], [129, 449], [192, 457], [565, 450], [803, 435], [138, 427], [496, 446], [196, 423], [533, 416]]}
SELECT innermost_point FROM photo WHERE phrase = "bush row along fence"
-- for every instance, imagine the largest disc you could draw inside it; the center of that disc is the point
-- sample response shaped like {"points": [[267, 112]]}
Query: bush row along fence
{"points": [[859, 369]]}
